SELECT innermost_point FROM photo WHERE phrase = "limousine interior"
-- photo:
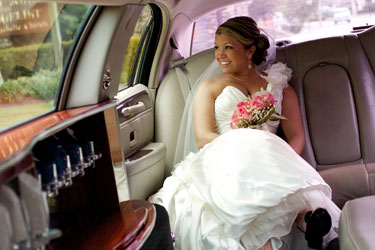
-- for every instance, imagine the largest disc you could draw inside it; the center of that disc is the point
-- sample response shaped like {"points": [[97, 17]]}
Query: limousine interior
{"points": [[92, 94]]}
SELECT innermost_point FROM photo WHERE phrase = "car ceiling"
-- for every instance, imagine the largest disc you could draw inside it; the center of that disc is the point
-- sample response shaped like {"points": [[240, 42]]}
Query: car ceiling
{"points": [[193, 9], [181, 13]]}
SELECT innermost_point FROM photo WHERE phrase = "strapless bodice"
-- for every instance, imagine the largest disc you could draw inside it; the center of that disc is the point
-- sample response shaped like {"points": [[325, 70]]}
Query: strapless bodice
{"points": [[277, 77]]}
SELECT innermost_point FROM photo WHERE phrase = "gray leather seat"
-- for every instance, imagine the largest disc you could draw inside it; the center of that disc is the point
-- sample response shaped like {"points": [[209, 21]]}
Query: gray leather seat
{"points": [[336, 89], [367, 39], [357, 227], [170, 97]]}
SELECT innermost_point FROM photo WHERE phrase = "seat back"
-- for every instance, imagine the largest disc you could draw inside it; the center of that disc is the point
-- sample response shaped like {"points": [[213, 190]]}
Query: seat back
{"points": [[367, 39], [335, 86], [170, 103], [336, 89]]}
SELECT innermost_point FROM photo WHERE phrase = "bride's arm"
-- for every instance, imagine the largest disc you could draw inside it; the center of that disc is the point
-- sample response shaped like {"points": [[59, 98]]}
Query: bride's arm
{"points": [[204, 114], [292, 127]]}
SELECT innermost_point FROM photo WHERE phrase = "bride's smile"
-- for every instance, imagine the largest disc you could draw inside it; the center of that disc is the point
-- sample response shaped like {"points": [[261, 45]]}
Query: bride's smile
{"points": [[225, 63]]}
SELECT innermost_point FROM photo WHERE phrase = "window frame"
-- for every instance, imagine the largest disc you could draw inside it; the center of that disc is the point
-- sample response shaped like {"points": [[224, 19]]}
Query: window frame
{"points": [[71, 58], [152, 45], [145, 53]]}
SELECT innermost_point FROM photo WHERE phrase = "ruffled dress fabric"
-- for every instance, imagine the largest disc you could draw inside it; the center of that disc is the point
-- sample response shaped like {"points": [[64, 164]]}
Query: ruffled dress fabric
{"points": [[245, 187]]}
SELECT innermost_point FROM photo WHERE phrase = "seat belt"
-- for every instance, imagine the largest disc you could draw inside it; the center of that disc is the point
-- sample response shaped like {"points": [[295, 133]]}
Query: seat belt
{"points": [[181, 71]]}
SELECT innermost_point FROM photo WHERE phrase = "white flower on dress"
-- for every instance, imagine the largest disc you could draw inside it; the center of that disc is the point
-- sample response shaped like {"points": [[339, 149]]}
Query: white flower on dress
{"points": [[278, 75]]}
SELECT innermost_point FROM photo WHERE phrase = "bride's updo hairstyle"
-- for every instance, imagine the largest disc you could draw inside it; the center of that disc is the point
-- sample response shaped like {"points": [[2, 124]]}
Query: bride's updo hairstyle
{"points": [[246, 31]]}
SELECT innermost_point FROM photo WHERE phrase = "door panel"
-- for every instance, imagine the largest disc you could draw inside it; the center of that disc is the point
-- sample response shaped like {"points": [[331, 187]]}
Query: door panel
{"points": [[144, 160], [136, 118]]}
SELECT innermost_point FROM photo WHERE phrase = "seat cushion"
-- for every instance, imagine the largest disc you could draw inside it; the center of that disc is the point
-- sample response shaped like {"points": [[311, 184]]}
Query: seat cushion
{"points": [[357, 224], [347, 182]]}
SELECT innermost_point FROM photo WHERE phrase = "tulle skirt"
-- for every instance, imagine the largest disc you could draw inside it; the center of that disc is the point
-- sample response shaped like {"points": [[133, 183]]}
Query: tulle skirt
{"points": [[244, 188]]}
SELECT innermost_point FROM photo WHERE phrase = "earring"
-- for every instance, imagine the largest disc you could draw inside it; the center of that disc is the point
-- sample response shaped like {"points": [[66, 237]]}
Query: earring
{"points": [[249, 65]]}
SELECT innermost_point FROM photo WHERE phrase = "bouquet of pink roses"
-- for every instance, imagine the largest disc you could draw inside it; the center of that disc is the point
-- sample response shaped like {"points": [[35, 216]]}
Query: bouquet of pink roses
{"points": [[254, 111]]}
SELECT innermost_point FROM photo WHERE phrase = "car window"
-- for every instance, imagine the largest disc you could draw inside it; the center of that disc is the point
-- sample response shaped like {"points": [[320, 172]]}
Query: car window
{"points": [[293, 20], [135, 48], [35, 41]]}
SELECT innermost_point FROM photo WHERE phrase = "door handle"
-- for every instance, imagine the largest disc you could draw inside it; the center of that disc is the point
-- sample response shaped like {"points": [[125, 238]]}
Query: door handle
{"points": [[139, 107]]}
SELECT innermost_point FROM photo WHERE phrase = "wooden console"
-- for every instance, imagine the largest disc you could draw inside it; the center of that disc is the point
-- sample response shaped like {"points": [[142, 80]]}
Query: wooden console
{"points": [[88, 212]]}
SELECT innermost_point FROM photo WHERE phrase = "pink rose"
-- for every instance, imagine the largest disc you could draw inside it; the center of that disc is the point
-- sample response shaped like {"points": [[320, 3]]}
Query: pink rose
{"points": [[247, 117], [269, 98], [235, 120], [241, 104], [257, 102], [241, 111]]}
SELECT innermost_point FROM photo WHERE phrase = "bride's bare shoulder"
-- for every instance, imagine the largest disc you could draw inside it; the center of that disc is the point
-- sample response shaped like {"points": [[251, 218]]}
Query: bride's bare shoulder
{"points": [[215, 84]]}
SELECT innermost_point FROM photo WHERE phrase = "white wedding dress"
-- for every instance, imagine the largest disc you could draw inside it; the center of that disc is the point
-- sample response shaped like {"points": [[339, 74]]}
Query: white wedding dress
{"points": [[245, 187]]}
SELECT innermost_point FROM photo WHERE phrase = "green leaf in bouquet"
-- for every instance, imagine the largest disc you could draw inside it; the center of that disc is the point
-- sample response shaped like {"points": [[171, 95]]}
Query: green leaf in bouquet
{"points": [[267, 116], [276, 116]]}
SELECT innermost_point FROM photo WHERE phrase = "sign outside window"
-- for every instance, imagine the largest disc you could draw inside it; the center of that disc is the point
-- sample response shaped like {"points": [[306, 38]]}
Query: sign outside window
{"points": [[22, 17]]}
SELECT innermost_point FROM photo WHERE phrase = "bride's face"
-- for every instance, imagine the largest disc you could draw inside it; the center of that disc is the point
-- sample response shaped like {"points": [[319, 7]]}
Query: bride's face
{"points": [[231, 54]]}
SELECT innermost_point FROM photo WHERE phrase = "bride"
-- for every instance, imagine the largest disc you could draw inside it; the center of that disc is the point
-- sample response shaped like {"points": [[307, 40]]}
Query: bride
{"points": [[247, 188]]}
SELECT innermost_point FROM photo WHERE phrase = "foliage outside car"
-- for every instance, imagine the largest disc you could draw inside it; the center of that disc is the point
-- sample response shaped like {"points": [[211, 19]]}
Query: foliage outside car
{"points": [[23, 79], [41, 85], [29, 71], [32, 96], [128, 60], [44, 82], [30, 62]]}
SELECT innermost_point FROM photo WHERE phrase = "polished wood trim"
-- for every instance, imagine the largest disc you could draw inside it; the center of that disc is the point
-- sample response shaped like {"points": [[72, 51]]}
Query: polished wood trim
{"points": [[134, 207], [17, 142], [111, 231]]}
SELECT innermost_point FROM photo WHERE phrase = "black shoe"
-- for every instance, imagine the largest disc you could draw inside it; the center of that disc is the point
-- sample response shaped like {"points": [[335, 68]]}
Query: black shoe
{"points": [[333, 245], [318, 224]]}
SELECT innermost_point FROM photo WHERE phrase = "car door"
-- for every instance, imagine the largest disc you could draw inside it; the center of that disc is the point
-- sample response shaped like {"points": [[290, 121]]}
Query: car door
{"points": [[116, 62], [144, 159]]}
